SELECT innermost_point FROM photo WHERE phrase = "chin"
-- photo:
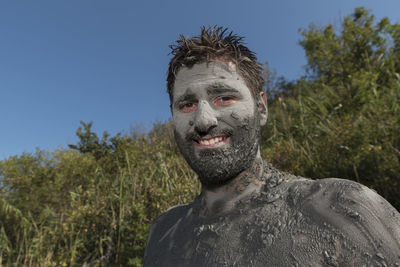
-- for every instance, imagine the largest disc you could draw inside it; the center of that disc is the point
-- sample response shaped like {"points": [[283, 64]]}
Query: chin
{"points": [[218, 165]]}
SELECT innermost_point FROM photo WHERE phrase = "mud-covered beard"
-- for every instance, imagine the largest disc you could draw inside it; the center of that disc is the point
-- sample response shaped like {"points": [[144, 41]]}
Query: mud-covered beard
{"points": [[216, 166]]}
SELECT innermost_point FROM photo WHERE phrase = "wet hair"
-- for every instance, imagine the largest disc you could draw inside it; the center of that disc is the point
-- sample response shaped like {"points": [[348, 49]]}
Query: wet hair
{"points": [[215, 43]]}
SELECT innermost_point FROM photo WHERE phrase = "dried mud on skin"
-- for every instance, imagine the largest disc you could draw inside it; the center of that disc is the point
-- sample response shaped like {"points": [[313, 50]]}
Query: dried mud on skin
{"points": [[293, 221]]}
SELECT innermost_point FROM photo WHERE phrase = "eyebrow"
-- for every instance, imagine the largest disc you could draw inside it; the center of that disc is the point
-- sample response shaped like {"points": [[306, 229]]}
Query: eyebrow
{"points": [[213, 89], [220, 88], [185, 97]]}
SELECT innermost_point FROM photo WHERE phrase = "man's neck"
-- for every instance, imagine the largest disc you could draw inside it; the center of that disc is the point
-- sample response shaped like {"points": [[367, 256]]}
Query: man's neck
{"points": [[221, 199]]}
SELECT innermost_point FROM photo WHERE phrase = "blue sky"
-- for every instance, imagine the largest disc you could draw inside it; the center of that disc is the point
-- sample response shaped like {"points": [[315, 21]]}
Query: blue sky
{"points": [[105, 61]]}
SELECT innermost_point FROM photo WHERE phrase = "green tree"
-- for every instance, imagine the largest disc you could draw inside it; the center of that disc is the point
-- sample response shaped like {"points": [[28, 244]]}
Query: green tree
{"points": [[342, 118]]}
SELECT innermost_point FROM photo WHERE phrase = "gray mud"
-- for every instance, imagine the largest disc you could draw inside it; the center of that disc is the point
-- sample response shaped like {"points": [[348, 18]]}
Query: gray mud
{"points": [[292, 221]]}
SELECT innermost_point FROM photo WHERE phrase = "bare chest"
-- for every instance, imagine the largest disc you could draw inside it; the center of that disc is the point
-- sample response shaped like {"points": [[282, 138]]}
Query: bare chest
{"points": [[267, 236]]}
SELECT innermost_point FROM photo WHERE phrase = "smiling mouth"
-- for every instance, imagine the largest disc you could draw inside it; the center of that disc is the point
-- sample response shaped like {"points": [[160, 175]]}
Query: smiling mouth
{"points": [[210, 142]]}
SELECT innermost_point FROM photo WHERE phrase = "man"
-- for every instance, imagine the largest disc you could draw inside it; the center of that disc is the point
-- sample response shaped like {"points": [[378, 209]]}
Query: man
{"points": [[248, 213]]}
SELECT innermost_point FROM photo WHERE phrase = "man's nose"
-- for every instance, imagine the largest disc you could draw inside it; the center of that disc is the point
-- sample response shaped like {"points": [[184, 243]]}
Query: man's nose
{"points": [[205, 118]]}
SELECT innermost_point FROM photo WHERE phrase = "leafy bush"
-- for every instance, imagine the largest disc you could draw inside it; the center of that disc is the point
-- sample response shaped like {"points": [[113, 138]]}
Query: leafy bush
{"points": [[92, 205]]}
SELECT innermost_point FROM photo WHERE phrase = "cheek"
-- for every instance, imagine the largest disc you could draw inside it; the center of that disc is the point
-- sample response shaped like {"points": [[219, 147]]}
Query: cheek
{"points": [[239, 112], [182, 123]]}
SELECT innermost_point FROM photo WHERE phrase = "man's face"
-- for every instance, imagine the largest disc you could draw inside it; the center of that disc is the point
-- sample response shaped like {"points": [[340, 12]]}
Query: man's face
{"points": [[216, 121]]}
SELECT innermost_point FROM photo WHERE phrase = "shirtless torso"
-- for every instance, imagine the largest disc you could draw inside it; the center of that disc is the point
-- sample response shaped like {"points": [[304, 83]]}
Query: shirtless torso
{"points": [[293, 221]]}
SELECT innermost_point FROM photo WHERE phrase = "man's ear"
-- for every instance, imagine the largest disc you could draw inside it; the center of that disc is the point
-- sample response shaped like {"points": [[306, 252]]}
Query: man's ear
{"points": [[262, 108]]}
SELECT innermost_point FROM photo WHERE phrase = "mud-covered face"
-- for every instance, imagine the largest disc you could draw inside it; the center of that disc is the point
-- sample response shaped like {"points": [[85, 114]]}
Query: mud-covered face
{"points": [[216, 121]]}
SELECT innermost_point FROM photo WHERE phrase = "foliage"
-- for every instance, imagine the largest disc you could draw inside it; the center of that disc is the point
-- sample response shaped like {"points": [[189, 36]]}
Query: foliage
{"points": [[342, 119], [93, 204]]}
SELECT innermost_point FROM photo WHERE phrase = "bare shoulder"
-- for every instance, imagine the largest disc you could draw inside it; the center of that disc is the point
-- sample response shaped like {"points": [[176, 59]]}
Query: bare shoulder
{"points": [[357, 211], [171, 215], [350, 198], [167, 219], [163, 225]]}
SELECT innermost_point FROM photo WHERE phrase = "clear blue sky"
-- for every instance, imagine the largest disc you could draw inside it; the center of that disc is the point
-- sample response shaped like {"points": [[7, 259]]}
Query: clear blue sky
{"points": [[105, 61]]}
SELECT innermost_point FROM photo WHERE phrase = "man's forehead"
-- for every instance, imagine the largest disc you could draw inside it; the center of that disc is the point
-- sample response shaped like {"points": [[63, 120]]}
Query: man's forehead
{"points": [[216, 69], [207, 74]]}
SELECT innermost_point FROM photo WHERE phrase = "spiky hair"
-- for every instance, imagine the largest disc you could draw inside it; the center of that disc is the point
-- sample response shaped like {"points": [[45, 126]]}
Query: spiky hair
{"points": [[215, 43]]}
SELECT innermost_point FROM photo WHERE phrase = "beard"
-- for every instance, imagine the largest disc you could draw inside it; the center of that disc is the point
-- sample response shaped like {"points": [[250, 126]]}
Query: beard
{"points": [[216, 166]]}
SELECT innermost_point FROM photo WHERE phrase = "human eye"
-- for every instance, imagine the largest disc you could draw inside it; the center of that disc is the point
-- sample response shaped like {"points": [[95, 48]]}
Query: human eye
{"points": [[187, 107], [223, 101]]}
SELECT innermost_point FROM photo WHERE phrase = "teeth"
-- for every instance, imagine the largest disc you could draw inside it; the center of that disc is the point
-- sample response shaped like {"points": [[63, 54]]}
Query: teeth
{"points": [[211, 142]]}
